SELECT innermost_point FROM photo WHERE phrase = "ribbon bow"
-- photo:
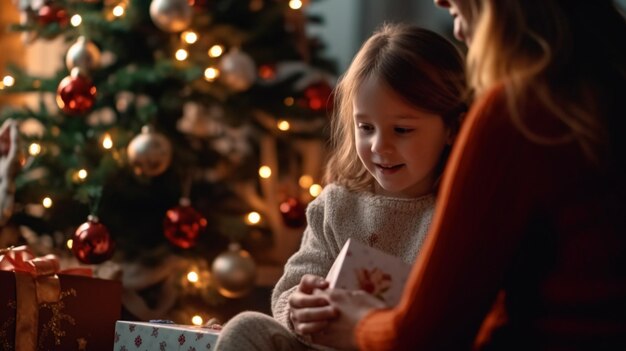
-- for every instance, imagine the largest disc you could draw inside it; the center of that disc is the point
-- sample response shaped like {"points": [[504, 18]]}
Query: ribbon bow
{"points": [[36, 283]]}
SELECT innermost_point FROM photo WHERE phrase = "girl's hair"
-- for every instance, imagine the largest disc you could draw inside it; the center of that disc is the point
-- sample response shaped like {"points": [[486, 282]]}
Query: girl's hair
{"points": [[420, 66], [568, 55]]}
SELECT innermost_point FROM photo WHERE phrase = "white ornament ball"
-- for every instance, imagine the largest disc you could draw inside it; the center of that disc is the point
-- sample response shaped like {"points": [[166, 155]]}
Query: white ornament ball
{"points": [[171, 15], [83, 54], [234, 272], [149, 153], [237, 70]]}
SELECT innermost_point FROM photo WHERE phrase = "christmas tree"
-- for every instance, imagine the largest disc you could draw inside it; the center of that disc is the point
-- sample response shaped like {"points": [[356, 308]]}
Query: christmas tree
{"points": [[186, 140]]}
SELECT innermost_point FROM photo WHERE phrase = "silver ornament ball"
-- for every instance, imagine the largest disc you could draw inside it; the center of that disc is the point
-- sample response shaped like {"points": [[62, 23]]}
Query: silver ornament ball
{"points": [[83, 54], [171, 15], [234, 272], [149, 153], [237, 70]]}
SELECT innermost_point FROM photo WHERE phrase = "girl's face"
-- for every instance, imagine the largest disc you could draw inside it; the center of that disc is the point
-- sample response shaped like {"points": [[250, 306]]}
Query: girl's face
{"points": [[459, 10], [397, 143]]}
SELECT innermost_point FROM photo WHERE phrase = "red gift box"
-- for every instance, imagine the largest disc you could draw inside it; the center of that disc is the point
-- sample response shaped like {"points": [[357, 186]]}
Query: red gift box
{"points": [[44, 310]]}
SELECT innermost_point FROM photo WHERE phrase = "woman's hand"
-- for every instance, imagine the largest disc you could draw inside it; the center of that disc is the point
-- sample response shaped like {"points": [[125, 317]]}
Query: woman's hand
{"points": [[352, 306], [310, 311]]}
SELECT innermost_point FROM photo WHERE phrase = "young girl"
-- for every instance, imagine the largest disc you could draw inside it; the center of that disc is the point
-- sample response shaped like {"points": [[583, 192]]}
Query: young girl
{"points": [[527, 250], [398, 109]]}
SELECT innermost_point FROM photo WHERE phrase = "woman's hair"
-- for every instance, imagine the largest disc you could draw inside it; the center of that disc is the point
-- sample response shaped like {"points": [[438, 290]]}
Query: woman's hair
{"points": [[568, 55], [422, 67]]}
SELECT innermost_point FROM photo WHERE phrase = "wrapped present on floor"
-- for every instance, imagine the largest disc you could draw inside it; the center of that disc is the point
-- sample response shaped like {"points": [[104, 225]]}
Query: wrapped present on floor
{"points": [[163, 336], [42, 308], [362, 267]]}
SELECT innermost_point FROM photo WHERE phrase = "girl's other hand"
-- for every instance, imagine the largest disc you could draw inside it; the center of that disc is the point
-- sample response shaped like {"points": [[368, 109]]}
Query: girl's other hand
{"points": [[310, 311]]}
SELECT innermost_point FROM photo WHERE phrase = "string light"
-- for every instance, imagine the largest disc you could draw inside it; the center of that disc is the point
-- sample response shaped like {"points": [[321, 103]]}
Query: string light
{"points": [[211, 73], [118, 11], [69, 243], [253, 218], [283, 125], [197, 320], [305, 181], [189, 37], [76, 20], [34, 149], [47, 202], [265, 172], [8, 81], [315, 190], [295, 4], [193, 277], [82, 174], [289, 101], [216, 51], [181, 54], [107, 142]]}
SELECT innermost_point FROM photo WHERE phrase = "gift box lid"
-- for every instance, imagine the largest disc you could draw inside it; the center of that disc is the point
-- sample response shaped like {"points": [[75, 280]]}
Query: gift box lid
{"points": [[162, 336]]}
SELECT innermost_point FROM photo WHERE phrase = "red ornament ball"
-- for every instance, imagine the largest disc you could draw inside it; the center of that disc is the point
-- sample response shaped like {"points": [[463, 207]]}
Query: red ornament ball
{"points": [[183, 225], [293, 212], [318, 96], [76, 94], [51, 13], [92, 243]]}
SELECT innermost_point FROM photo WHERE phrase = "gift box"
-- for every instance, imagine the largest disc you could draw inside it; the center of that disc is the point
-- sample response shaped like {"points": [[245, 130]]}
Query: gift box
{"points": [[43, 310], [162, 337], [361, 267]]}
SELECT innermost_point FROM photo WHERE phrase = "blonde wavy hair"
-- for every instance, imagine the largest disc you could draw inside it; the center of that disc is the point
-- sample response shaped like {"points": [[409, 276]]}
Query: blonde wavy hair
{"points": [[420, 66], [561, 53]]}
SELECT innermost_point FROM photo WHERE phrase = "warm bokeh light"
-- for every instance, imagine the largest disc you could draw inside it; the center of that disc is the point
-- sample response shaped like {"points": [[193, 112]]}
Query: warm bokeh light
{"points": [[76, 20], [34, 149], [197, 320], [216, 51], [295, 4], [82, 174], [253, 218], [8, 81], [118, 11], [265, 172], [283, 125], [305, 181], [189, 37], [181, 54], [211, 73], [289, 101], [107, 141], [193, 277], [69, 243], [315, 190], [47, 202]]}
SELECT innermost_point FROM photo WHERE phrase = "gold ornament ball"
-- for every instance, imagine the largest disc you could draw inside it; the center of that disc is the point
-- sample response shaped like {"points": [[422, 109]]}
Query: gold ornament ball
{"points": [[171, 15], [83, 54], [149, 153], [234, 272], [237, 70]]}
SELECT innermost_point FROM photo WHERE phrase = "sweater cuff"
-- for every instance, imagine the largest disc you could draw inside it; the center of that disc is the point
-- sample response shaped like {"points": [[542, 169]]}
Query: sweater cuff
{"points": [[376, 331], [281, 309]]}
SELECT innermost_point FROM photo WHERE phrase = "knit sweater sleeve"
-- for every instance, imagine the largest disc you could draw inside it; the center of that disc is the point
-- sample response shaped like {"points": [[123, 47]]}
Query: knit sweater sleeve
{"points": [[456, 277], [315, 256]]}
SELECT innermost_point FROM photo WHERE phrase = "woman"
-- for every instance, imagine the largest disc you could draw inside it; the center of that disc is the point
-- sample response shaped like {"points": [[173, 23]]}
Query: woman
{"points": [[527, 250]]}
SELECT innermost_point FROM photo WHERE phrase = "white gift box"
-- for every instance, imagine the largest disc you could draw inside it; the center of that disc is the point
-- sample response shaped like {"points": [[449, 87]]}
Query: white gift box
{"points": [[361, 267], [162, 337]]}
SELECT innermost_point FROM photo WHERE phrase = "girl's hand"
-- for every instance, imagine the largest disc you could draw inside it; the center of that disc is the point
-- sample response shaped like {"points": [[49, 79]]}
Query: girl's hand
{"points": [[310, 311], [352, 306]]}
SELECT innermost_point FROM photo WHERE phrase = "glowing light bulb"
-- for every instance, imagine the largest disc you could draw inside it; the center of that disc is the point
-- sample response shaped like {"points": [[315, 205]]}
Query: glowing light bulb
{"points": [[197, 320], [216, 51], [69, 243], [253, 218], [265, 172], [34, 149], [315, 190], [82, 174], [193, 277], [8, 81], [305, 181], [283, 125], [107, 142], [47, 202], [189, 37], [211, 73], [181, 54], [295, 4], [118, 11], [76, 20]]}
